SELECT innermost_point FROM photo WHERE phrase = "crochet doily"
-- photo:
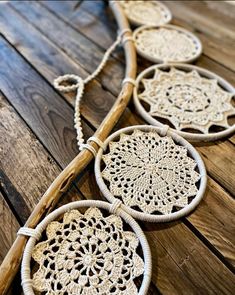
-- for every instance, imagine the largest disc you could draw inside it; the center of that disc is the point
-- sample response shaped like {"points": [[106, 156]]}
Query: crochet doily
{"points": [[185, 98], [146, 12], [87, 254], [149, 173], [167, 43]]}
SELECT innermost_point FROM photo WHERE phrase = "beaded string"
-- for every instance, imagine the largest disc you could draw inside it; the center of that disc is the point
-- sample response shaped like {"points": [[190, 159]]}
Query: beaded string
{"points": [[78, 84]]}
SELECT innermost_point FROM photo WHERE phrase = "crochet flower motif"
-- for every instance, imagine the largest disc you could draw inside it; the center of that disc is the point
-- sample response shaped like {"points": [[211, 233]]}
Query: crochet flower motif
{"points": [[146, 12], [187, 100], [165, 44], [150, 172], [87, 254]]}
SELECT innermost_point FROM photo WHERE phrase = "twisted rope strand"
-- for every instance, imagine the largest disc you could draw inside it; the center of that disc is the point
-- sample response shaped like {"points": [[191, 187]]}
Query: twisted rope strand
{"points": [[80, 85]]}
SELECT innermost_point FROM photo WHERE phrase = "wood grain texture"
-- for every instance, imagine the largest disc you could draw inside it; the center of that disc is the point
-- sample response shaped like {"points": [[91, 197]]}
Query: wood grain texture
{"points": [[8, 227], [17, 37], [192, 256], [76, 45], [27, 169]]}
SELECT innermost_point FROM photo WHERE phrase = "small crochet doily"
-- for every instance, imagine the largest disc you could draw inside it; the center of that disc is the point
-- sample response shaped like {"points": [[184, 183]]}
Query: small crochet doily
{"points": [[156, 173], [167, 43], [99, 251], [196, 103], [146, 12]]}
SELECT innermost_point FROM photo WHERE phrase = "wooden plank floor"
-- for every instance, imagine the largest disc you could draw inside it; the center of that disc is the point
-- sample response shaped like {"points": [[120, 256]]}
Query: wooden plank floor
{"points": [[41, 40]]}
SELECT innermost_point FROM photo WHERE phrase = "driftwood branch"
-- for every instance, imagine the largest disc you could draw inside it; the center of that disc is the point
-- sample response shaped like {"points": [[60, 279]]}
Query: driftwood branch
{"points": [[60, 185]]}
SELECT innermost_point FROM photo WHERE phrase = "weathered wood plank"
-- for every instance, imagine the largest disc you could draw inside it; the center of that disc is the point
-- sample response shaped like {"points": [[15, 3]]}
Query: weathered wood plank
{"points": [[84, 21], [199, 15], [212, 47], [76, 45], [8, 227], [27, 168], [213, 219], [51, 62], [37, 102]]}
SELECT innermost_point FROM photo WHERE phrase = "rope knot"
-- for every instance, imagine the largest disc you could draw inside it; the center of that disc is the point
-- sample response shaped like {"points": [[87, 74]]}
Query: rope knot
{"points": [[29, 232], [115, 205], [164, 130], [72, 82]]}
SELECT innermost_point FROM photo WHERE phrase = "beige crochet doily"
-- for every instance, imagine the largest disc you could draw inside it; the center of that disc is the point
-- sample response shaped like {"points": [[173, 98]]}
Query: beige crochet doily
{"points": [[157, 177], [195, 102], [167, 43], [146, 12], [91, 252]]}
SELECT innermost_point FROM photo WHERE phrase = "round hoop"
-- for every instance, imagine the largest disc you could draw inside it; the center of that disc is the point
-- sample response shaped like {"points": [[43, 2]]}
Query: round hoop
{"points": [[25, 270], [142, 215], [167, 43], [146, 12], [187, 68]]}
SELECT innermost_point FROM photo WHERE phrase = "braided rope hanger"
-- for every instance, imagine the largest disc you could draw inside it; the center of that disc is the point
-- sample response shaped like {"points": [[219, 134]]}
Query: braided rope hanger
{"points": [[78, 84]]}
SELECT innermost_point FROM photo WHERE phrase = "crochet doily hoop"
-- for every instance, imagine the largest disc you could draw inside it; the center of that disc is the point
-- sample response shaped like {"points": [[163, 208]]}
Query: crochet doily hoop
{"points": [[187, 69], [167, 43], [146, 12], [112, 209], [194, 156]]}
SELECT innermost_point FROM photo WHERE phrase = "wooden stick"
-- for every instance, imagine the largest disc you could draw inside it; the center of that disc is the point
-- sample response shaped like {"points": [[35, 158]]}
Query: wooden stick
{"points": [[60, 185]]}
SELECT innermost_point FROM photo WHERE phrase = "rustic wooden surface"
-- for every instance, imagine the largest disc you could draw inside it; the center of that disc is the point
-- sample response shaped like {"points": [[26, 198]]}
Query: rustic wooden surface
{"points": [[41, 40]]}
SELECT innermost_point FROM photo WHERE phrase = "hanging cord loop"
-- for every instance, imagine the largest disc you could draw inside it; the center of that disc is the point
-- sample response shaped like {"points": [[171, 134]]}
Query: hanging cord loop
{"points": [[71, 82]]}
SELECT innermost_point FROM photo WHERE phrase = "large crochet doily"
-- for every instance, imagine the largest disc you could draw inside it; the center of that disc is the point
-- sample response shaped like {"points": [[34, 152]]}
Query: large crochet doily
{"points": [[87, 254], [149, 173], [183, 96], [146, 12], [167, 43]]}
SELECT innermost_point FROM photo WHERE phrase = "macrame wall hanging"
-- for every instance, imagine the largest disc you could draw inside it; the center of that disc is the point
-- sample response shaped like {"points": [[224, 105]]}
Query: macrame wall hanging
{"points": [[150, 173]]}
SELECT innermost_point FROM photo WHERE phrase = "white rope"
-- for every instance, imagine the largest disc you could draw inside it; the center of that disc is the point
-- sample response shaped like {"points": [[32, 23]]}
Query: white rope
{"points": [[129, 80], [78, 84], [97, 141], [89, 148], [29, 232]]}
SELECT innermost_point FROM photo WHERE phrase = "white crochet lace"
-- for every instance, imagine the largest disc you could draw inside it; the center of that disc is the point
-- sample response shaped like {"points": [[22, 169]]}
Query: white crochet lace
{"points": [[87, 254], [150, 172], [146, 12], [166, 44], [187, 100]]}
